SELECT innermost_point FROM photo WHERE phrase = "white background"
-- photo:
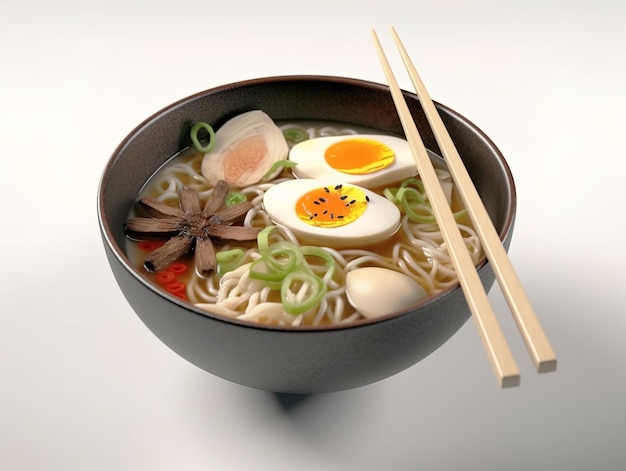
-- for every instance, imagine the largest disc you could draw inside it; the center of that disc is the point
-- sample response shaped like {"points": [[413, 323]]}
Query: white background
{"points": [[85, 386]]}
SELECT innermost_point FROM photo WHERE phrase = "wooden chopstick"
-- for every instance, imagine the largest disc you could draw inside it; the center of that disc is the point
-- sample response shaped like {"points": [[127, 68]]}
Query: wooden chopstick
{"points": [[534, 337], [500, 355]]}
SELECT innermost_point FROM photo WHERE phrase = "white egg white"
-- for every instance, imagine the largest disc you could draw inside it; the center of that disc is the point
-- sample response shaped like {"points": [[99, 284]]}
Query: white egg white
{"points": [[380, 220], [245, 148], [309, 155]]}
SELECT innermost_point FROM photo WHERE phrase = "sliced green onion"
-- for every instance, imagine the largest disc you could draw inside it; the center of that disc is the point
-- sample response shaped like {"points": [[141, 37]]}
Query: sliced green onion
{"points": [[411, 197], [263, 238], [461, 213], [234, 198], [294, 282], [311, 251], [410, 194], [228, 260], [420, 213], [283, 266], [196, 140], [414, 205], [390, 194], [259, 270], [415, 182], [279, 164], [295, 134], [283, 259]]}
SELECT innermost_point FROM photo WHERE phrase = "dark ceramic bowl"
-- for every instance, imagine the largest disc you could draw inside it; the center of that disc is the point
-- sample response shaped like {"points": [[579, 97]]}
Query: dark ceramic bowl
{"points": [[293, 360]]}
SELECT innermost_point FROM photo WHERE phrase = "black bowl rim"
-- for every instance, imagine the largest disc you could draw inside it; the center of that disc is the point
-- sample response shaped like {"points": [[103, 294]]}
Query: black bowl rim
{"points": [[123, 259]]}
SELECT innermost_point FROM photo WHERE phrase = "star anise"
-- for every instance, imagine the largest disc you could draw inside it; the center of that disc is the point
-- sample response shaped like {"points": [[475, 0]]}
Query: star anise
{"points": [[190, 226]]}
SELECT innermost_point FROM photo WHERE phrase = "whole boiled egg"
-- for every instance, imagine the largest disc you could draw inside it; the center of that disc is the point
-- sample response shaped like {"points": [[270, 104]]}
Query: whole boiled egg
{"points": [[377, 291], [337, 215], [368, 160]]}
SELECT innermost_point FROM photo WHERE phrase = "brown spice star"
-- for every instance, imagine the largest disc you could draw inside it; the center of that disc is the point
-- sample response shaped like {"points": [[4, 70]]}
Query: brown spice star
{"points": [[189, 224]]}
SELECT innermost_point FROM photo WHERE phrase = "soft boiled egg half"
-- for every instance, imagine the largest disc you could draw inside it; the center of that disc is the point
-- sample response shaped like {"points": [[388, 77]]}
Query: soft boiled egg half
{"points": [[368, 160], [338, 215]]}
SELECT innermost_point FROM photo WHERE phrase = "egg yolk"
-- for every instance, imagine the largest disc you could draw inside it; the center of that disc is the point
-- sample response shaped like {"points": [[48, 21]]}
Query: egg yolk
{"points": [[359, 156], [331, 206]]}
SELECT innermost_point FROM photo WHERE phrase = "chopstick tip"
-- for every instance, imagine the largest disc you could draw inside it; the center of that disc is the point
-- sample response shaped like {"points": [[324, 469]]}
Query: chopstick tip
{"points": [[546, 366], [510, 381]]}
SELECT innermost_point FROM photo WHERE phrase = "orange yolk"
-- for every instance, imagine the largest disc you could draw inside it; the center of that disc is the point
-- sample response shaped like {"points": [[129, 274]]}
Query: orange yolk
{"points": [[331, 206], [359, 156]]}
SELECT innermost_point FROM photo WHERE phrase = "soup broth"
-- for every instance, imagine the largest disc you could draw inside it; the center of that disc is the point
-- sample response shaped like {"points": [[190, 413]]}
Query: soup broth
{"points": [[414, 250]]}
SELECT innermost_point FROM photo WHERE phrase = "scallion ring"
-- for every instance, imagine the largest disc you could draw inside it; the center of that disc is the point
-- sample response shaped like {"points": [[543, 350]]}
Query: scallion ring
{"points": [[282, 259], [263, 238], [234, 198], [276, 166], [228, 260], [311, 251], [298, 281], [196, 140], [295, 134]]}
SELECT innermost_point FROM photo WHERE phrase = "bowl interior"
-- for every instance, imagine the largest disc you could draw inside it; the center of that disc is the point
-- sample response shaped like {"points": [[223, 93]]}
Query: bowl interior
{"points": [[346, 100]]}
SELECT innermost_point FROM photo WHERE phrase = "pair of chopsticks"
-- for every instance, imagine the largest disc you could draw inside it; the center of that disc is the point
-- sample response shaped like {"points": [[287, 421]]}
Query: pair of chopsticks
{"points": [[500, 355]]}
